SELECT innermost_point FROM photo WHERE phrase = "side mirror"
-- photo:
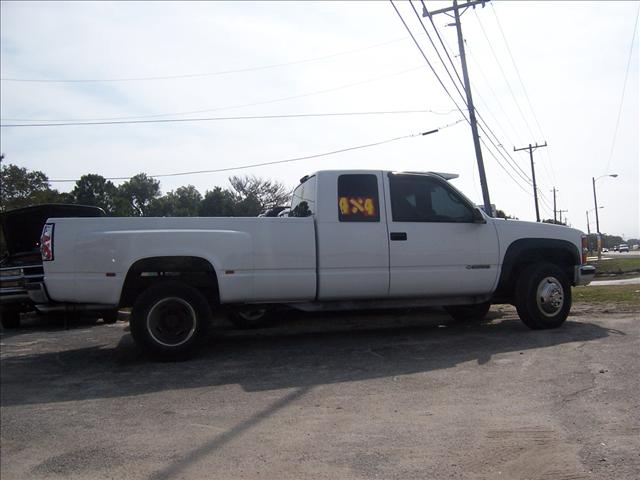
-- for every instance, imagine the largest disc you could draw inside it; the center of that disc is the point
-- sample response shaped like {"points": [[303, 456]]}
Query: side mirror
{"points": [[478, 217]]}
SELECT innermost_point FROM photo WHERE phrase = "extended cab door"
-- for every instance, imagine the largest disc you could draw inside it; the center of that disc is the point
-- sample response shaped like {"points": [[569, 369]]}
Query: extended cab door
{"points": [[437, 245], [352, 237]]}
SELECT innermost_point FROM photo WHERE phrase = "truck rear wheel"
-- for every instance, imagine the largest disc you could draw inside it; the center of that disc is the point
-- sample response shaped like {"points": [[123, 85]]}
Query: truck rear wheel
{"points": [[170, 320], [250, 317], [543, 296]]}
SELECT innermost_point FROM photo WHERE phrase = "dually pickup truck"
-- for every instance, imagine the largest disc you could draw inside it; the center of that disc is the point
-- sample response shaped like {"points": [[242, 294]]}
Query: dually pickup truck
{"points": [[352, 239]]}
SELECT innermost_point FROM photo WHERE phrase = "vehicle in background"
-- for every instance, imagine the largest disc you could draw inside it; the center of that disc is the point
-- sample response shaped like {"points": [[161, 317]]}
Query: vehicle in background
{"points": [[623, 248], [21, 264], [605, 250]]}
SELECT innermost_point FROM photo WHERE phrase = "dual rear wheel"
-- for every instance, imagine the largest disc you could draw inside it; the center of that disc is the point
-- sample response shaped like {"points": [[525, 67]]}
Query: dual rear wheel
{"points": [[170, 320]]}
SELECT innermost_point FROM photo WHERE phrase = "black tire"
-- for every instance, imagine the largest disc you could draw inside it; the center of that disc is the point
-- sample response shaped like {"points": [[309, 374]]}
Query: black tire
{"points": [[250, 317], [464, 313], [543, 296], [110, 316], [170, 320], [10, 319]]}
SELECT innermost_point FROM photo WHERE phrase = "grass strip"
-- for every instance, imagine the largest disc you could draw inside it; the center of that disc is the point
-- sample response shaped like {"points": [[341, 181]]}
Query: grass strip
{"points": [[629, 295], [617, 266]]}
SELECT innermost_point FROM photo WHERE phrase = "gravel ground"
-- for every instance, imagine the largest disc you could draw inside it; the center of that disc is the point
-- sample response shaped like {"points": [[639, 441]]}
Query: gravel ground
{"points": [[390, 395]]}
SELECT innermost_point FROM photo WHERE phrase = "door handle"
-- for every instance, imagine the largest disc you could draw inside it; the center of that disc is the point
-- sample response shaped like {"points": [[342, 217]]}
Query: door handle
{"points": [[398, 235]]}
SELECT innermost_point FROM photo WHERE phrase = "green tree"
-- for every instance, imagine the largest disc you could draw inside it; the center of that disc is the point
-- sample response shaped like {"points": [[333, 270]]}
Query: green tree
{"points": [[502, 214], [254, 195], [218, 202], [610, 241], [134, 196], [551, 220], [93, 189], [183, 202], [21, 187]]}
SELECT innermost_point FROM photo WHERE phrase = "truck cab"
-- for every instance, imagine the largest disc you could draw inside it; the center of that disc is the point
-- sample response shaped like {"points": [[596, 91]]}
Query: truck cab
{"points": [[396, 235]]}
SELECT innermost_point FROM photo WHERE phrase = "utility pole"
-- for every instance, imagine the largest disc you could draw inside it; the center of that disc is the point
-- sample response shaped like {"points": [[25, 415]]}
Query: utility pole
{"points": [[467, 88], [561, 214], [554, 204], [588, 227], [533, 174]]}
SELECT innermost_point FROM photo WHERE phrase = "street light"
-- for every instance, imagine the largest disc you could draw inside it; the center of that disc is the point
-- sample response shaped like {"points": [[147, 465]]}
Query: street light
{"points": [[595, 202]]}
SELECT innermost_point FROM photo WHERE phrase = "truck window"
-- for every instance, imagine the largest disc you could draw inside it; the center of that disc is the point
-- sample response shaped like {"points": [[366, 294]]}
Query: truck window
{"points": [[303, 200], [425, 199], [358, 198]]}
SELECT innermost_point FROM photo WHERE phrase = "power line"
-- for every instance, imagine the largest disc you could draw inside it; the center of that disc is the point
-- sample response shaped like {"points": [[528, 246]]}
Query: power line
{"points": [[495, 97], [288, 160], [438, 52], [624, 87], [517, 104], [524, 90], [510, 163], [515, 66], [504, 76], [446, 51], [510, 160], [252, 117], [230, 107], [198, 75], [503, 167], [428, 62]]}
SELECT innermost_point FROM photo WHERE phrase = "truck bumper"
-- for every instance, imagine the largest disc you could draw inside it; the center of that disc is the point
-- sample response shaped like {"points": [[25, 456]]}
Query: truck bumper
{"points": [[584, 274]]}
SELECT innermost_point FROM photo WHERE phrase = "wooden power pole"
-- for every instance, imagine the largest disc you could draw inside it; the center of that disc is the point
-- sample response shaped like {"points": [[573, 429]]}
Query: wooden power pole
{"points": [[467, 88], [531, 148]]}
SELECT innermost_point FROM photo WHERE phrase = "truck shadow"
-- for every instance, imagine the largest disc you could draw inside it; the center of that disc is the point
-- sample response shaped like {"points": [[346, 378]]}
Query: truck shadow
{"points": [[302, 352], [32, 323]]}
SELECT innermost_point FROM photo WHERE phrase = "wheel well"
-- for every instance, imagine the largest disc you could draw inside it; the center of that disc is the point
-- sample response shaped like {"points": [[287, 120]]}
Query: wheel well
{"points": [[561, 257], [194, 271]]}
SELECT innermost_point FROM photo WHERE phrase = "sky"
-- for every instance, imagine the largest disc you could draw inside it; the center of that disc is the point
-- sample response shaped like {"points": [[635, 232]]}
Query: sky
{"points": [[540, 72]]}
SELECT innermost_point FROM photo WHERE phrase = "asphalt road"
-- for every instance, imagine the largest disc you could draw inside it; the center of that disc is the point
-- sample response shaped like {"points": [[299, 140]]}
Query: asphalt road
{"points": [[393, 395]]}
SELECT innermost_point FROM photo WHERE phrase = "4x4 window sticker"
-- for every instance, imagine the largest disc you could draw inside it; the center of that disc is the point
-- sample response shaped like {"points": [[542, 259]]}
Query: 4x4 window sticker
{"points": [[358, 198]]}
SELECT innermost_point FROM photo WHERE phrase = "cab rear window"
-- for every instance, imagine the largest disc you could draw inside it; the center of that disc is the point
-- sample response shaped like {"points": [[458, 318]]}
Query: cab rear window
{"points": [[358, 198]]}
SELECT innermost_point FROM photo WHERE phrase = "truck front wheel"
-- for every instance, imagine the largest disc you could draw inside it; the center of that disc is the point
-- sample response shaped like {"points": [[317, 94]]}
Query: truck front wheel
{"points": [[543, 296], [170, 320]]}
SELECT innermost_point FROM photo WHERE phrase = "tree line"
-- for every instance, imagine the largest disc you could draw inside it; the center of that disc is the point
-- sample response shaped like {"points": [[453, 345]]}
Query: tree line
{"points": [[140, 196]]}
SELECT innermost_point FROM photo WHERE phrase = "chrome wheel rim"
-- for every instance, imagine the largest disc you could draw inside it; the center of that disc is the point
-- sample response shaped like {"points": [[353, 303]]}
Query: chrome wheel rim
{"points": [[550, 296], [171, 322]]}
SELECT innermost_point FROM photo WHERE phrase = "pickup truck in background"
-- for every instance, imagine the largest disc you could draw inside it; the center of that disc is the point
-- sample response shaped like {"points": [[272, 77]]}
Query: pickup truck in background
{"points": [[352, 239], [21, 262]]}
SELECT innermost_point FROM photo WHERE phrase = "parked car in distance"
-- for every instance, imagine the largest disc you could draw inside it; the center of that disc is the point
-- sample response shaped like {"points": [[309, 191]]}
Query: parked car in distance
{"points": [[21, 264], [623, 248], [605, 250]]}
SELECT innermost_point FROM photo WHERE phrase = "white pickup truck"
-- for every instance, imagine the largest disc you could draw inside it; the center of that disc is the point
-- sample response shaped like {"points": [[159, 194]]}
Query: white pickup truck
{"points": [[352, 239]]}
